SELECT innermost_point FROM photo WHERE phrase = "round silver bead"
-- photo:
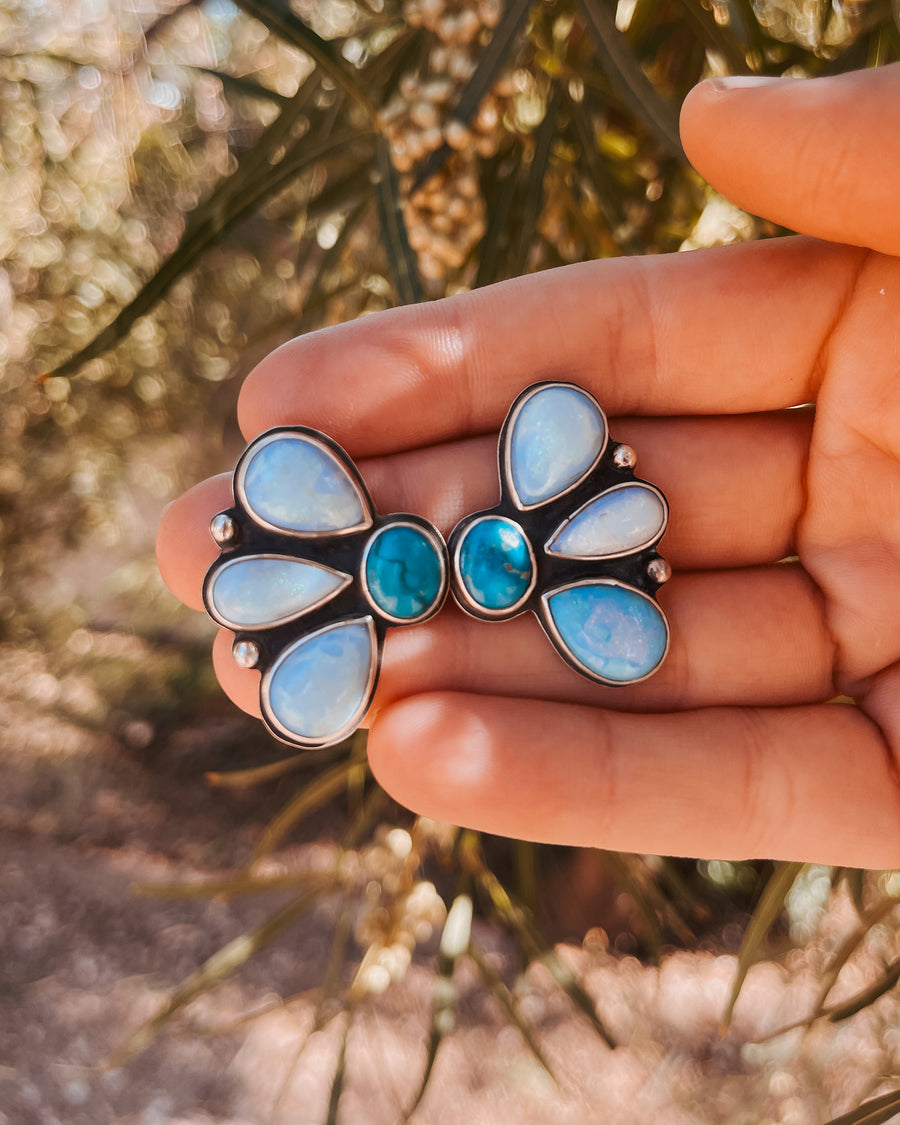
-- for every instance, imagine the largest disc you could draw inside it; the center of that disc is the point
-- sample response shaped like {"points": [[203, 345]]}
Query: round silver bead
{"points": [[624, 457], [223, 529], [659, 570], [245, 653]]}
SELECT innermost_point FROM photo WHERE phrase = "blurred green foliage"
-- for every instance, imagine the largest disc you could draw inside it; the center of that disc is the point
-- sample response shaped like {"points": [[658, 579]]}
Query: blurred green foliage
{"points": [[186, 186]]}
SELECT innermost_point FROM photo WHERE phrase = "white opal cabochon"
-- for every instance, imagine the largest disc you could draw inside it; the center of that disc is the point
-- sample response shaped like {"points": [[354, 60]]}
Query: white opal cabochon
{"points": [[620, 521], [259, 590], [318, 690], [294, 483], [557, 435]]}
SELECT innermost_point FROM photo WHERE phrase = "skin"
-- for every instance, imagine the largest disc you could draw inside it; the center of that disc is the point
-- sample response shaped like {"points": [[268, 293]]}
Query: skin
{"points": [[738, 746]]}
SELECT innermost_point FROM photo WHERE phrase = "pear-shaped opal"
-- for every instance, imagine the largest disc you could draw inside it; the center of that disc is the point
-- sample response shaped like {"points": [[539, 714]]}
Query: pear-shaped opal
{"points": [[295, 483], [613, 632], [317, 691], [403, 571], [557, 435], [259, 590], [623, 520], [495, 563]]}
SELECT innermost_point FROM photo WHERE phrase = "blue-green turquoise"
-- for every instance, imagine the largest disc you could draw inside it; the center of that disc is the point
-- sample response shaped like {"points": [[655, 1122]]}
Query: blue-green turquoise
{"points": [[614, 631], [403, 572], [495, 564]]}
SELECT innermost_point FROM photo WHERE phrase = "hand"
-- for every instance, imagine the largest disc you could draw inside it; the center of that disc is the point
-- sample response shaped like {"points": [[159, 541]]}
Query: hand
{"points": [[733, 748]]}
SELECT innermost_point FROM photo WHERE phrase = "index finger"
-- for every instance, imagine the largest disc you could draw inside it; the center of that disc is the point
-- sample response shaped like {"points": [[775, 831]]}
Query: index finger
{"points": [[710, 332]]}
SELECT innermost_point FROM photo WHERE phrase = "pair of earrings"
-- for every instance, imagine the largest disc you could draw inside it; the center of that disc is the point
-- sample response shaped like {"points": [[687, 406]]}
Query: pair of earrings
{"points": [[310, 576]]}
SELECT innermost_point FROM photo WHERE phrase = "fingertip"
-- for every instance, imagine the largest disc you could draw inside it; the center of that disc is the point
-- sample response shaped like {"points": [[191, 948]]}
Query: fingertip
{"points": [[184, 548]]}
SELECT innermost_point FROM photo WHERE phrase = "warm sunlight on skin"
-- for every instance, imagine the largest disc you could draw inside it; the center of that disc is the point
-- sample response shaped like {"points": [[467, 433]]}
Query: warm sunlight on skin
{"points": [[734, 748]]}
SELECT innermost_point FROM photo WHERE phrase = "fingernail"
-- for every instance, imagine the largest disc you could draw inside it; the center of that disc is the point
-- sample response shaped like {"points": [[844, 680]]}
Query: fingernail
{"points": [[743, 81]]}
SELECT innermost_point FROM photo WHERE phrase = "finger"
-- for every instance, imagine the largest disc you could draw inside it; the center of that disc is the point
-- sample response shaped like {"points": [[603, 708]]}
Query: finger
{"points": [[185, 550], [734, 486], [737, 637], [821, 156], [803, 783], [659, 335]]}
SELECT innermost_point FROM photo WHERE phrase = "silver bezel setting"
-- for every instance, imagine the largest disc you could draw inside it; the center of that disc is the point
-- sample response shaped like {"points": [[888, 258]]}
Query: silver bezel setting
{"points": [[358, 715], [486, 611], [245, 626], [642, 546], [439, 549], [240, 490], [561, 646], [509, 430]]}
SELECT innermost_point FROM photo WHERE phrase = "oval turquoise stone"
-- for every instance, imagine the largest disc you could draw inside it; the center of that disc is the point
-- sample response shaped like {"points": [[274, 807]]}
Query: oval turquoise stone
{"points": [[614, 631], [404, 575], [495, 564]]}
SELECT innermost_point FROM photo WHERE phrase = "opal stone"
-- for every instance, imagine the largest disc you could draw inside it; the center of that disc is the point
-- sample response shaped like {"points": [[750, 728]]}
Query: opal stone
{"points": [[258, 590], [495, 563], [318, 689], [615, 632], [403, 571], [557, 436], [294, 483], [620, 521]]}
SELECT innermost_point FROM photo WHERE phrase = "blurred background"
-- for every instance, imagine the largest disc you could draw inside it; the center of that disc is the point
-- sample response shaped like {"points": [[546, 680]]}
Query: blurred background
{"points": [[196, 928]]}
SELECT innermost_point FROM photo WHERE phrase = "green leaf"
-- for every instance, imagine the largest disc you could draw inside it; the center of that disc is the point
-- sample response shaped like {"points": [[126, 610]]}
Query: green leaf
{"points": [[340, 1072], [874, 1112], [214, 970], [244, 87], [491, 62], [313, 796], [623, 70], [769, 907], [867, 996], [254, 181], [402, 263], [502, 192], [534, 184], [503, 996], [455, 940], [279, 18]]}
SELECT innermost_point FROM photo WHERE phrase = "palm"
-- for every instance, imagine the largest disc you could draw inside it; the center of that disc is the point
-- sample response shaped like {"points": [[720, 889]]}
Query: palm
{"points": [[734, 746]]}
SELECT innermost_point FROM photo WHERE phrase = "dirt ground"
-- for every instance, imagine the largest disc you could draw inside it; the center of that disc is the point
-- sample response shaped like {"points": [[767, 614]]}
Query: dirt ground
{"points": [[84, 816]]}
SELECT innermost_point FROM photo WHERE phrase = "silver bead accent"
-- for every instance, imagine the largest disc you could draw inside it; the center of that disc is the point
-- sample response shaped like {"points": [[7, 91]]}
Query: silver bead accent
{"points": [[624, 457], [223, 529], [245, 653], [659, 570]]}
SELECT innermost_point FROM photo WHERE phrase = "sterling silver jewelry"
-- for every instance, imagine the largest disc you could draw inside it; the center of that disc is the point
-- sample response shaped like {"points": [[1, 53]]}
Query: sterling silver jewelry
{"points": [[573, 539], [310, 577]]}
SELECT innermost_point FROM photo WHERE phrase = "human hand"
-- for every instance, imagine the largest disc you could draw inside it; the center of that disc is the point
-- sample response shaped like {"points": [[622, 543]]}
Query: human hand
{"points": [[733, 748]]}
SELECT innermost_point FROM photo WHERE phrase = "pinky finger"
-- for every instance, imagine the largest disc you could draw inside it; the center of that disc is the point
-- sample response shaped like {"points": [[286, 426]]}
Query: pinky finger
{"points": [[804, 783]]}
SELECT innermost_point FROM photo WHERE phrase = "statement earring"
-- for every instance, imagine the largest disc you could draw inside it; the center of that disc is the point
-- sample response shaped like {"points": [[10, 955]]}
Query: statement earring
{"points": [[310, 577], [573, 539]]}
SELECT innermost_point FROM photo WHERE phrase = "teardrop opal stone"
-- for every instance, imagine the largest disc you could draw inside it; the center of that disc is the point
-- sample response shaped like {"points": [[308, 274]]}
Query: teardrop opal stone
{"points": [[495, 564], [620, 521], [255, 590], [318, 689], [294, 483], [612, 631], [404, 575], [557, 436]]}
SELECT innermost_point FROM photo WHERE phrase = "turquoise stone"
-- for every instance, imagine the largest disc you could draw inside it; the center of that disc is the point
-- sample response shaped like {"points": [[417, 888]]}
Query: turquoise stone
{"points": [[495, 563], [403, 571], [318, 689], [256, 590], [557, 436], [294, 483], [616, 523], [614, 631]]}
